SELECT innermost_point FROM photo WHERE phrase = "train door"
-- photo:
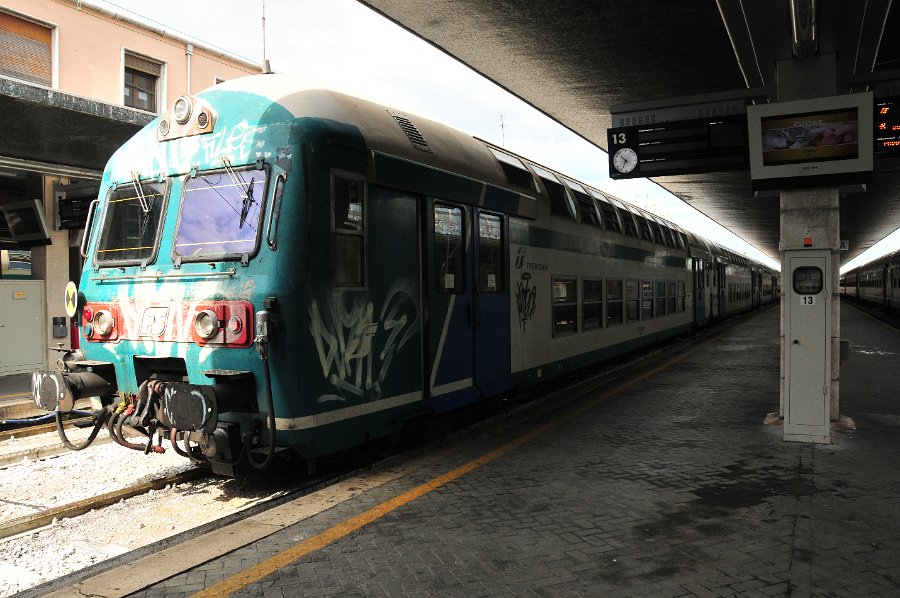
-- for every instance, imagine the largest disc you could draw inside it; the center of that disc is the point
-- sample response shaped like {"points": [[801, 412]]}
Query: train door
{"points": [[755, 279], [447, 275], [891, 286], [491, 310], [885, 283], [699, 292], [720, 286]]}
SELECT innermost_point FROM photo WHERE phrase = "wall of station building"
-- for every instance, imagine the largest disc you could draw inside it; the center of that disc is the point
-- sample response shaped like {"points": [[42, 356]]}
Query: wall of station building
{"points": [[91, 53], [89, 49]]}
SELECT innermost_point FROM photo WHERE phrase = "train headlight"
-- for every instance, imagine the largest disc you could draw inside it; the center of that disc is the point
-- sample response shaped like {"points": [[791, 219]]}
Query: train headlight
{"points": [[104, 322], [182, 109], [206, 324]]}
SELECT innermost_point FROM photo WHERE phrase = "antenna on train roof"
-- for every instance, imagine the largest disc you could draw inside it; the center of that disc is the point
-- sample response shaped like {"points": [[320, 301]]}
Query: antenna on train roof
{"points": [[266, 69]]}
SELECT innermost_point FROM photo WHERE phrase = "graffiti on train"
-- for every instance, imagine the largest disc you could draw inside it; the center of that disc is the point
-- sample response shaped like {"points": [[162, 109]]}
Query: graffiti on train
{"points": [[356, 350], [526, 299]]}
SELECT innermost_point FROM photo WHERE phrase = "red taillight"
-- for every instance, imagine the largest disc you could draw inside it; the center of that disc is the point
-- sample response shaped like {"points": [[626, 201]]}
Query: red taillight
{"points": [[101, 322]]}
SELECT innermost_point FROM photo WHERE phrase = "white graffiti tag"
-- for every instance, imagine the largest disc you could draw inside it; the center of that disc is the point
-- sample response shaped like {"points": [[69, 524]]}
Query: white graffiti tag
{"points": [[349, 341]]}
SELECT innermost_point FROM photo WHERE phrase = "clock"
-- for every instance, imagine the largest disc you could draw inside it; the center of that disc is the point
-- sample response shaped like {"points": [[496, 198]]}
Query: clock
{"points": [[625, 160]]}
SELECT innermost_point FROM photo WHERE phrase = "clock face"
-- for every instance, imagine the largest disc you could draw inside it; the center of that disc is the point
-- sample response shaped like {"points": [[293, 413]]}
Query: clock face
{"points": [[625, 160]]}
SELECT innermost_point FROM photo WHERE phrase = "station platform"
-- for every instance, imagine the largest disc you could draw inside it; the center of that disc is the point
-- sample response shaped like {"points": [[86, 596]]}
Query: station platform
{"points": [[15, 397], [664, 481]]}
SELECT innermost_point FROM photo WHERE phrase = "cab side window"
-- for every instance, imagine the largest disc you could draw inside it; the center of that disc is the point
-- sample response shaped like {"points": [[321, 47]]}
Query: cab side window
{"points": [[348, 200]]}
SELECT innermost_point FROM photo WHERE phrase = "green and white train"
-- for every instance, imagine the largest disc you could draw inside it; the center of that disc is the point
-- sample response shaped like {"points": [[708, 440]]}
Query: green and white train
{"points": [[269, 270]]}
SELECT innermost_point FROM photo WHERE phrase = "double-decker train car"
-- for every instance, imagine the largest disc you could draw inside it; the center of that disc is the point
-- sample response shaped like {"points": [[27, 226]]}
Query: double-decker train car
{"points": [[875, 283], [271, 270]]}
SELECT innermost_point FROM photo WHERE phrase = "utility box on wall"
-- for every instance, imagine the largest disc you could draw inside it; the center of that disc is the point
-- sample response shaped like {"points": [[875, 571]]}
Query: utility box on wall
{"points": [[21, 326], [807, 351]]}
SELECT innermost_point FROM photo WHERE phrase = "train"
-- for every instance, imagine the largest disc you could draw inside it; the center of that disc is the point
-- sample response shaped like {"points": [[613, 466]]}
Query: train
{"points": [[275, 271], [876, 283]]}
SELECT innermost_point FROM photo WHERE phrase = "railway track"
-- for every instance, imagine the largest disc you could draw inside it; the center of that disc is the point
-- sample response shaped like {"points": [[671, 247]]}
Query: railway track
{"points": [[51, 447], [37, 520]]}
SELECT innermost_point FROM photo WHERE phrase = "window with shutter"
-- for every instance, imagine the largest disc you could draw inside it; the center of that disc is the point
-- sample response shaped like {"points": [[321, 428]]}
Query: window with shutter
{"points": [[141, 82], [26, 50]]}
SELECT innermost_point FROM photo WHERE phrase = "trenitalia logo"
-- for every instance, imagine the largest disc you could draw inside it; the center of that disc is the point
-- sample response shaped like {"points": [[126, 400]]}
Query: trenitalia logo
{"points": [[520, 258]]}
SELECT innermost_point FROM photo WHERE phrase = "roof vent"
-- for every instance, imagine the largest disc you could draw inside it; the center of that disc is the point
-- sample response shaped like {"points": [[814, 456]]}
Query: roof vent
{"points": [[415, 137]]}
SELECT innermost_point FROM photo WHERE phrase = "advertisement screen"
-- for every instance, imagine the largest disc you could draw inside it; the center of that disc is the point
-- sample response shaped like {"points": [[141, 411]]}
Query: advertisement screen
{"points": [[810, 137]]}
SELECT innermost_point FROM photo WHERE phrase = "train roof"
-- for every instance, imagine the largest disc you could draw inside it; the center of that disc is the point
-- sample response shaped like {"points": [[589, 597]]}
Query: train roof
{"points": [[422, 140]]}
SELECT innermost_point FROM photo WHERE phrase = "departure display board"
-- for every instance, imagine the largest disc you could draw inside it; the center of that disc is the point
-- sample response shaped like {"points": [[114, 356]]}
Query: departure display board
{"points": [[678, 147], [887, 126]]}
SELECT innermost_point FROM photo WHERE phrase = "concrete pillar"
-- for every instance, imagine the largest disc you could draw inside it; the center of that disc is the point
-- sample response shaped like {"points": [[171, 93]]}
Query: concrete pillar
{"points": [[810, 220], [811, 213], [50, 263]]}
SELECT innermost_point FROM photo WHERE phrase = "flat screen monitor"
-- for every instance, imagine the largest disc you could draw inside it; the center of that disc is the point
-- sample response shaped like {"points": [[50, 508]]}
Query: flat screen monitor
{"points": [[811, 143], [26, 222]]}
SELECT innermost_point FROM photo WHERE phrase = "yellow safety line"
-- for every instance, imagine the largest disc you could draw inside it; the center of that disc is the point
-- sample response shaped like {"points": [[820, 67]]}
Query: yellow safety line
{"points": [[271, 565], [18, 394]]}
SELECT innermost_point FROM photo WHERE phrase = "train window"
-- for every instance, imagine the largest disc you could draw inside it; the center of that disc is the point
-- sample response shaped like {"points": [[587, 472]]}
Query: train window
{"points": [[592, 312], [647, 300], [131, 225], [561, 202], [613, 302], [275, 211], [565, 306], [660, 297], [491, 278], [628, 221], [220, 214], [657, 234], [644, 228], [610, 218], [632, 300], [682, 299], [348, 212], [808, 280], [670, 298], [449, 248], [670, 236], [583, 203], [589, 213], [516, 173]]}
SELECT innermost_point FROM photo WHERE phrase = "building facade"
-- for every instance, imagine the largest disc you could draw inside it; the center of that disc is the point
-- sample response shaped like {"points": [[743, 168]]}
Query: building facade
{"points": [[76, 81]]}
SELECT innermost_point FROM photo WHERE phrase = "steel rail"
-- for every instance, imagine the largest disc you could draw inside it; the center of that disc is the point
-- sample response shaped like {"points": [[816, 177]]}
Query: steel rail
{"points": [[37, 520]]}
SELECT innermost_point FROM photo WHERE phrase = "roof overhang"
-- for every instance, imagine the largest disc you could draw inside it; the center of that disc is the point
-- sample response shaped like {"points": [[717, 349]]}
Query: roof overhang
{"points": [[575, 60], [50, 132]]}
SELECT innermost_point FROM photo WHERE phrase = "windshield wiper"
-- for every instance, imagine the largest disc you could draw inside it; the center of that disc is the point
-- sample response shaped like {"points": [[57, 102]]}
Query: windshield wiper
{"points": [[245, 206], [246, 189], [146, 202]]}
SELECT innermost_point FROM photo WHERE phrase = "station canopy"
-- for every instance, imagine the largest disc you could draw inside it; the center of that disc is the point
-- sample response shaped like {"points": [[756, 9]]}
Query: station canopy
{"points": [[575, 59]]}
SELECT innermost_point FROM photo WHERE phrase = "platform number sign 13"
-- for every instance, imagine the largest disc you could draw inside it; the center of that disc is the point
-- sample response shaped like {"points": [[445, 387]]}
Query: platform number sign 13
{"points": [[623, 158]]}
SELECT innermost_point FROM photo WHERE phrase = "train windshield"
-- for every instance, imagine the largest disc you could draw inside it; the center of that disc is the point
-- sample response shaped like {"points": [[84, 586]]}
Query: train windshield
{"points": [[131, 226], [220, 213]]}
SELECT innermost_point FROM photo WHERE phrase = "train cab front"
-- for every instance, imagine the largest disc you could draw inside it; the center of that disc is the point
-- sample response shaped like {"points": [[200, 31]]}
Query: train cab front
{"points": [[150, 390], [174, 322]]}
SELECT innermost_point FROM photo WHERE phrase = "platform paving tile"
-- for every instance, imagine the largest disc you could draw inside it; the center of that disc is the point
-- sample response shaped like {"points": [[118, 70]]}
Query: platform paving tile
{"points": [[671, 488]]}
